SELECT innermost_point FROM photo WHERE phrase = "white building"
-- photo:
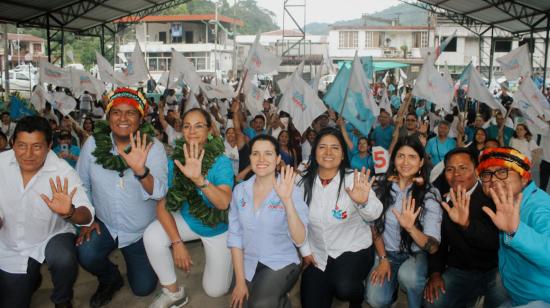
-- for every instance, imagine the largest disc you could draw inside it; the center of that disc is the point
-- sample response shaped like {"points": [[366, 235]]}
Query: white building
{"points": [[192, 35]]}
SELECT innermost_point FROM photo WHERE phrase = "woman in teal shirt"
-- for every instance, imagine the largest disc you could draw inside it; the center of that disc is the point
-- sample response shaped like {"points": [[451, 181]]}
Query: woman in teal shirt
{"points": [[195, 208], [363, 157]]}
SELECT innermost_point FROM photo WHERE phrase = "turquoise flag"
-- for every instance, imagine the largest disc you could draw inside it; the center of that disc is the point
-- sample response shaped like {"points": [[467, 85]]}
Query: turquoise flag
{"points": [[355, 110], [18, 109]]}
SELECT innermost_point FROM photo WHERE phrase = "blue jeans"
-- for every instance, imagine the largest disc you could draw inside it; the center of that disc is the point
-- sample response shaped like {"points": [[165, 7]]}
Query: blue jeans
{"points": [[409, 271], [464, 288], [93, 255], [16, 290]]}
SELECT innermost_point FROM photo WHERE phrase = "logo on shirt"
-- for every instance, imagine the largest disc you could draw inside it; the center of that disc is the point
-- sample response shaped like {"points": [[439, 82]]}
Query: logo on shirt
{"points": [[275, 205], [242, 203], [339, 214]]}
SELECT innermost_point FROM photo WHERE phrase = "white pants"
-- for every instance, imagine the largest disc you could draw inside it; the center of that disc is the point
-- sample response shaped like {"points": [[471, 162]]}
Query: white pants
{"points": [[218, 270]]}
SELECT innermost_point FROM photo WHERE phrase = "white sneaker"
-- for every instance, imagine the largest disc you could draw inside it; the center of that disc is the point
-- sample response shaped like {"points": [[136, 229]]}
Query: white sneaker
{"points": [[167, 299]]}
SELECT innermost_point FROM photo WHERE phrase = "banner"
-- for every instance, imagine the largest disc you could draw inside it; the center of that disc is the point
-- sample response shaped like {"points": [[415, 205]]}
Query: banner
{"points": [[254, 98], [84, 81], [532, 104], [516, 63], [302, 103], [381, 159], [217, 91], [283, 83], [64, 103]]}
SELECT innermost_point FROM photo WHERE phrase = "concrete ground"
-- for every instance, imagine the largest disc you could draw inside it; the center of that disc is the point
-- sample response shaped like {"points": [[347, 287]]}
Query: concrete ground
{"points": [[87, 284]]}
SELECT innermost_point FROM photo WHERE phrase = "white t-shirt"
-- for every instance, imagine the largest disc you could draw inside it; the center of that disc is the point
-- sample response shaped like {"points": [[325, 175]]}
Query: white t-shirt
{"points": [[86, 102], [524, 146], [173, 135]]}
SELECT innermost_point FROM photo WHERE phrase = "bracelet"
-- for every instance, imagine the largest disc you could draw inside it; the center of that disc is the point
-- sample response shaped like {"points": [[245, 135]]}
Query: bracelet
{"points": [[204, 185], [144, 175], [71, 213], [176, 242]]}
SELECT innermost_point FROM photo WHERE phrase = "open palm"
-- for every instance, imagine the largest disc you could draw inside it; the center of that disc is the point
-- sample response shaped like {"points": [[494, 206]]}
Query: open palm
{"points": [[61, 201], [460, 212], [193, 161], [361, 186]]}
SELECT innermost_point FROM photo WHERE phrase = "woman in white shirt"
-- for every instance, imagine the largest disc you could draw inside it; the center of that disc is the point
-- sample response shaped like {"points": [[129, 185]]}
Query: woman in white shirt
{"points": [[338, 253], [231, 148], [409, 228], [524, 142]]}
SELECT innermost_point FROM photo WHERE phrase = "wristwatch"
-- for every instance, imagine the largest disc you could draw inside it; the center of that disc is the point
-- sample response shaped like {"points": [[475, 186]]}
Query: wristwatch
{"points": [[144, 175], [71, 213], [204, 185]]}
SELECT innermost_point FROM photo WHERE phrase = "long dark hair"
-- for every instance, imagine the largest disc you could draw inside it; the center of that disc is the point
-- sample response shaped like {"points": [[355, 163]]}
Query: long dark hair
{"points": [[421, 190], [310, 174]]}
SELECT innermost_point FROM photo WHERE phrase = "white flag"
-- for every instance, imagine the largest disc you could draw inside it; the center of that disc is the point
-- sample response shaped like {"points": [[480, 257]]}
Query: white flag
{"points": [[358, 83], [254, 97], [163, 79], [516, 63], [478, 91], [55, 75], [218, 91], [385, 103], [302, 103], [259, 60], [84, 81], [181, 68], [532, 104], [432, 86], [64, 103], [447, 75], [191, 102], [283, 83], [106, 72], [327, 62], [136, 69], [38, 98], [402, 74]]}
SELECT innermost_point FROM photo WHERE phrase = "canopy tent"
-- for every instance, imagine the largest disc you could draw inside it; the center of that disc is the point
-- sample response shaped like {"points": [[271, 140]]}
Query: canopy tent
{"points": [[378, 66]]}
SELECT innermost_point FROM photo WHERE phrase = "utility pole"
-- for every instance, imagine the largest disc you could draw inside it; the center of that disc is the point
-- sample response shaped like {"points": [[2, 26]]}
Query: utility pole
{"points": [[6, 66], [234, 57]]}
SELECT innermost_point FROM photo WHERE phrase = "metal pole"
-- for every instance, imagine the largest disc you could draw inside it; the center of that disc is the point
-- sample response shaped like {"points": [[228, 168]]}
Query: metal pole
{"points": [[49, 39], [6, 65], [62, 47], [532, 43], [546, 51], [234, 58], [491, 55], [102, 40]]}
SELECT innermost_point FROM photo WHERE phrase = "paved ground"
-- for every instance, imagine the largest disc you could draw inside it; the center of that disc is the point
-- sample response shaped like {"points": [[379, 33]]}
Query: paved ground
{"points": [[87, 284]]}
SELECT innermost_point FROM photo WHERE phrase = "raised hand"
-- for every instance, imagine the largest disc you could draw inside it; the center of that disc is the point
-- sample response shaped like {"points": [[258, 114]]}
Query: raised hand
{"points": [[506, 217], [361, 186], [460, 212], [408, 215], [193, 161], [285, 184], [61, 201], [139, 149]]}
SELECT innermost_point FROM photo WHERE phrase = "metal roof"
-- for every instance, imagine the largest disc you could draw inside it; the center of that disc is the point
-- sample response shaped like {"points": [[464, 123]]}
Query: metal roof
{"points": [[514, 16], [79, 16]]}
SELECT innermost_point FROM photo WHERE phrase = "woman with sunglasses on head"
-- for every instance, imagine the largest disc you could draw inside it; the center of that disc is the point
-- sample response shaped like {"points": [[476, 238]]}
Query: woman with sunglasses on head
{"points": [[409, 227], [338, 253], [267, 220], [195, 208]]}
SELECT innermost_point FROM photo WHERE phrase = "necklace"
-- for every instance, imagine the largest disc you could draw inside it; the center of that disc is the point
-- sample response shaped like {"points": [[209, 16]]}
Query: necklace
{"points": [[184, 190], [104, 145]]}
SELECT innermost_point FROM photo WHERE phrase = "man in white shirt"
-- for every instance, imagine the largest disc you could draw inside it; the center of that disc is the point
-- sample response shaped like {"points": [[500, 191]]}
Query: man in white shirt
{"points": [[42, 197], [86, 102]]}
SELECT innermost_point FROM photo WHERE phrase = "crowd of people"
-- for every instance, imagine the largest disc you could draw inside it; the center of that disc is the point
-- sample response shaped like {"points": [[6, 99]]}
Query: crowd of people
{"points": [[457, 218]]}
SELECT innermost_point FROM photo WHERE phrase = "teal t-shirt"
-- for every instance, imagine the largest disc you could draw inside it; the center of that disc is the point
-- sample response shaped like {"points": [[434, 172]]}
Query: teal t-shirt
{"points": [[438, 150], [358, 163], [221, 173]]}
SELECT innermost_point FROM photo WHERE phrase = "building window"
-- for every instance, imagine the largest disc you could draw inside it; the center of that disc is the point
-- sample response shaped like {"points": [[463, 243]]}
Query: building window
{"points": [[420, 39], [503, 45], [451, 46], [374, 39], [37, 48], [348, 39]]}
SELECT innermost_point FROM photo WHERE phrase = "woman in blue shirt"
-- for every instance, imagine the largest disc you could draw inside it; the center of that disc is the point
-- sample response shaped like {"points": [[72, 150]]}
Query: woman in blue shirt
{"points": [[363, 157], [267, 220], [408, 228], [194, 208]]}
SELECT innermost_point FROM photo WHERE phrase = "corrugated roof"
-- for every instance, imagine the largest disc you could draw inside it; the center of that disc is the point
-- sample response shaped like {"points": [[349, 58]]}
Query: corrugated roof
{"points": [[515, 16], [172, 18], [24, 37], [76, 15]]}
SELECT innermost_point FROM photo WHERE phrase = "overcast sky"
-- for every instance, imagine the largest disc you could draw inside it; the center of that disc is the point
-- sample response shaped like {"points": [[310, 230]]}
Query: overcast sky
{"points": [[325, 10]]}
